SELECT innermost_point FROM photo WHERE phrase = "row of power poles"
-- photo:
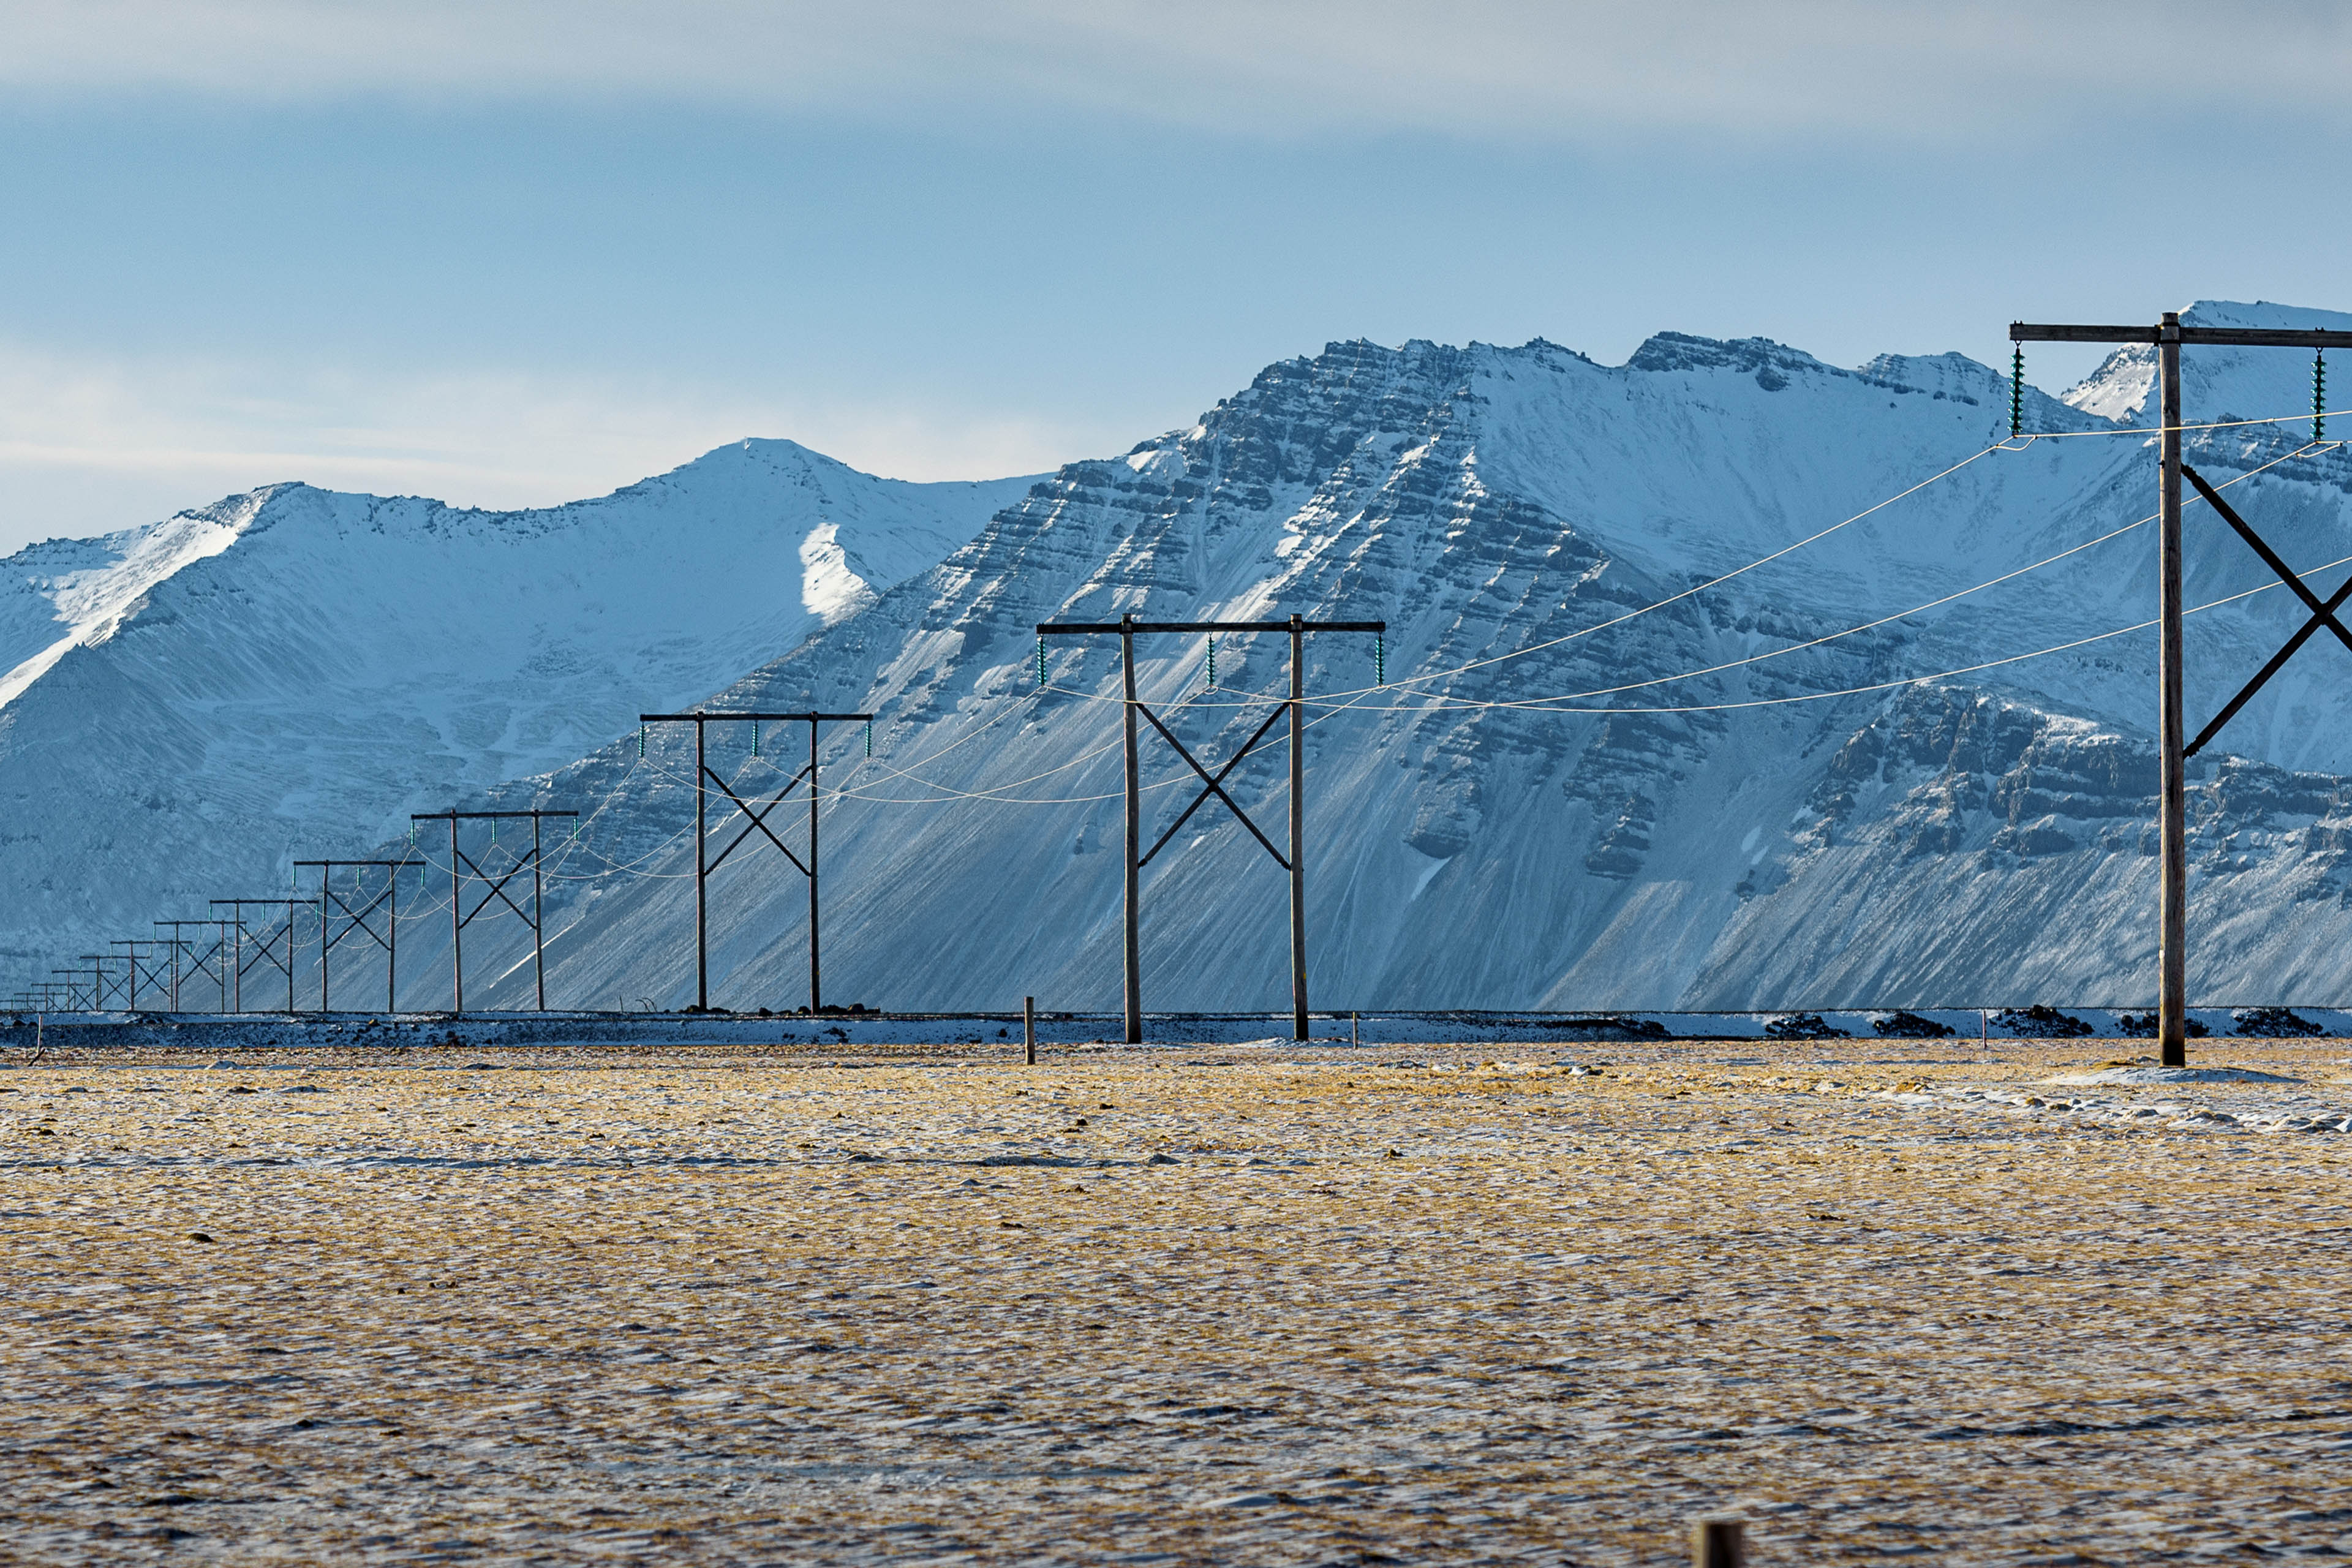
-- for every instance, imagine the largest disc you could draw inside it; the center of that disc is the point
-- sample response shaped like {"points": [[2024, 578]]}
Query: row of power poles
{"points": [[235, 942], [366, 912]]}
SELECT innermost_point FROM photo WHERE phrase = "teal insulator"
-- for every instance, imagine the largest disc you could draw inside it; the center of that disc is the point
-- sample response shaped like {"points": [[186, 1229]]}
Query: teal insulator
{"points": [[755, 737], [2318, 395], [1041, 659], [870, 737], [1213, 664], [1379, 660], [641, 740]]}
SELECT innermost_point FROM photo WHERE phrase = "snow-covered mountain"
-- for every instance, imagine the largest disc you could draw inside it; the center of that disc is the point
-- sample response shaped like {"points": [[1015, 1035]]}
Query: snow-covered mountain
{"points": [[1563, 797], [188, 706], [1596, 776]]}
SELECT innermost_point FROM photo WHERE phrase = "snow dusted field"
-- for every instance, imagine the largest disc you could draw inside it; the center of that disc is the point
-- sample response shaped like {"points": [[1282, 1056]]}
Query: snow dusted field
{"points": [[1265, 1305]]}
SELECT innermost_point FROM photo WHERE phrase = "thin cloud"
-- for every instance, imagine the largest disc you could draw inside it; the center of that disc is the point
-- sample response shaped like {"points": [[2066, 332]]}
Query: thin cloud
{"points": [[88, 448], [1993, 73]]}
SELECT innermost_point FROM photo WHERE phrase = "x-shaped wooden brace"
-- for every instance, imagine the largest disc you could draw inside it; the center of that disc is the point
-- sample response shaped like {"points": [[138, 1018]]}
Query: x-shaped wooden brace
{"points": [[1210, 786], [359, 918], [756, 818], [523, 862], [267, 947], [2322, 612], [217, 959]]}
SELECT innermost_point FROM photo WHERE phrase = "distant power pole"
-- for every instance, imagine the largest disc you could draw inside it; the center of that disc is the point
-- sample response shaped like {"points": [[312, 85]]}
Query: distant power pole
{"points": [[78, 989], [138, 953], [103, 983], [460, 863], [1127, 628], [182, 947], [359, 919], [2172, 833], [755, 820], [217, 958], [267, 947]]}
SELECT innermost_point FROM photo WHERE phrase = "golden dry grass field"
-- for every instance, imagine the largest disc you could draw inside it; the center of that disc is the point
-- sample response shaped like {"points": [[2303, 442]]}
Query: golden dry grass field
{"points": [[1224, 1305]]}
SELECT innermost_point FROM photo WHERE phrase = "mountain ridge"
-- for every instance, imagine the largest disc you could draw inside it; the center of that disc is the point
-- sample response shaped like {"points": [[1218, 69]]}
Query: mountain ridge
{"points": [[192, 704], [1591, 779]]}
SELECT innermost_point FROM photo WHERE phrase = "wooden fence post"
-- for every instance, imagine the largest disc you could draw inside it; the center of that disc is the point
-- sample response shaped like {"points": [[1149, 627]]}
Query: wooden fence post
{"points": [[1719, 1540]]}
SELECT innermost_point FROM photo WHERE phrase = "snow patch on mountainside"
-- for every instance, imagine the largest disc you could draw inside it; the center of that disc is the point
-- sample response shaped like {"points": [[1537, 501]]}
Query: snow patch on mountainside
{"points": [[89, 593], [2219, 383]]}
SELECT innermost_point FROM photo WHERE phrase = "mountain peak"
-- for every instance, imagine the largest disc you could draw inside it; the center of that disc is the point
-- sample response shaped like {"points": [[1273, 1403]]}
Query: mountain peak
{"points": [[2217, 384]]}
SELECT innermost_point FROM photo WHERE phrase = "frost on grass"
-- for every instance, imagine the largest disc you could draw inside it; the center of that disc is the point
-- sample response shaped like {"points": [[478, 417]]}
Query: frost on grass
{"points": [[1884, 1297]]}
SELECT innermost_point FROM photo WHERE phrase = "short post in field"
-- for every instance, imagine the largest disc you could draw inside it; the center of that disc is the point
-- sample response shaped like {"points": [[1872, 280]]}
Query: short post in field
{"points": [[1719, 1540], [1029, 1030]]}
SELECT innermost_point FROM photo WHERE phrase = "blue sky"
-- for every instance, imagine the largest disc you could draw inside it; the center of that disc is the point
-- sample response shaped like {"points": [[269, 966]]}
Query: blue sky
{"points": [[515, 253]]}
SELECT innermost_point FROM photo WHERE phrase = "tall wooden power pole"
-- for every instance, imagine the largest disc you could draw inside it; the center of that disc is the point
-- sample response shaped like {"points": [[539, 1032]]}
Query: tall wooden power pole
{"points": [[268, 946], [755, 820], [360, 920], [1127, 628], [460, 918], [2168, 336]]}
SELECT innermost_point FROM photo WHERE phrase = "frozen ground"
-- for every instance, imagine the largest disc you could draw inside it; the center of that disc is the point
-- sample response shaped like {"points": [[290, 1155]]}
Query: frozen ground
{"points": [[1958, 1026], [1421, 1304]]}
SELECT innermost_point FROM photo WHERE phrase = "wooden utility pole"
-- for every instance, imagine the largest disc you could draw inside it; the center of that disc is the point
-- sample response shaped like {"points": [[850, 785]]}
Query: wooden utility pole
{"points": [[177, 944], [268, 946], [217, 958], [461, 862], [138, 952], [358, 920], [100, 980], [755, 821], [2168, 336], [72, 983], [816, 970], [1127, 628], [1132, 994], [1298, 829]]}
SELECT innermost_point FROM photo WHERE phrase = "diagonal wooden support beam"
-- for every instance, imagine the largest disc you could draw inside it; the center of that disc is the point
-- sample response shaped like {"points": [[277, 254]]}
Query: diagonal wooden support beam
{"points": [[498, 888], [756, 819], [2270, 558], [2322, 612], [2326, 611], [1230, 763], [1214, 786], [358, 918]]}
